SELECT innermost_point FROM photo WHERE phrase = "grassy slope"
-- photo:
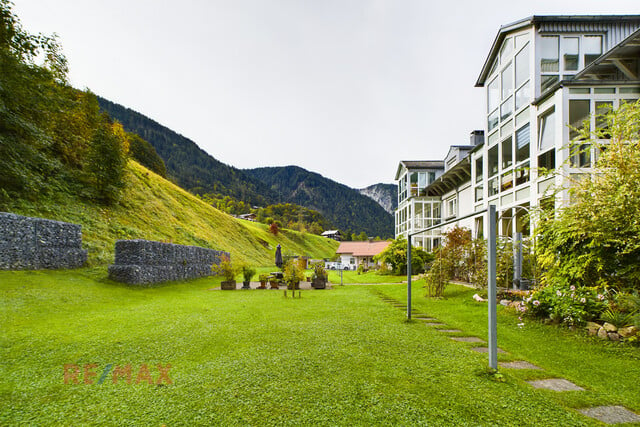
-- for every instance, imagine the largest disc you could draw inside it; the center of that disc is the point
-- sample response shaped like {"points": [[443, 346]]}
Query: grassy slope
{"points": [[155, 209], [340, 357]]}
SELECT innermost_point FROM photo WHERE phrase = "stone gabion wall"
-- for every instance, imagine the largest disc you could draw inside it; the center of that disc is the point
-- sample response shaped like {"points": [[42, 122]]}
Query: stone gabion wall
{"points": [[142, 262], [37, 243]]}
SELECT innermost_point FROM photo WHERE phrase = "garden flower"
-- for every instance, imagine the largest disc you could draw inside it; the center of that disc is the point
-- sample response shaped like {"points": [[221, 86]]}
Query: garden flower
{"points": [[559, 293], [536, 303], [600, 297], [583, 300], [573, 288]]}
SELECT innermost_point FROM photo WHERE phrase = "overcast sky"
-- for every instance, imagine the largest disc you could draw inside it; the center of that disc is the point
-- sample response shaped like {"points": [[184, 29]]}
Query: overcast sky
{"points": [[345, 88]]}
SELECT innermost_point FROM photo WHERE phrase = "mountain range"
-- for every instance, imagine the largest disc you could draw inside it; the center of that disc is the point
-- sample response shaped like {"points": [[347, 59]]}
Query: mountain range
{"points": [[200, 173]]}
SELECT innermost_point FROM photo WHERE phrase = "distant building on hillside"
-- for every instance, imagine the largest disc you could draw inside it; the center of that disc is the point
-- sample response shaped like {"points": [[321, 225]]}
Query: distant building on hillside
{"points": [[355, 254], [332, 234], [247, 217]]}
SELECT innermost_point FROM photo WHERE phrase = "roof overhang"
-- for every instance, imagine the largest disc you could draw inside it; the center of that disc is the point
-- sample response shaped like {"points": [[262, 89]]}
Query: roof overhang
{"points": [[451, 179]]}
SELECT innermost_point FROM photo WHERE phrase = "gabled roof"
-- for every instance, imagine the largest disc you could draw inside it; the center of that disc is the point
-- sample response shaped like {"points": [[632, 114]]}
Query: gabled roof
{"points": [[419, 164], [362, 248], [536, 20]]}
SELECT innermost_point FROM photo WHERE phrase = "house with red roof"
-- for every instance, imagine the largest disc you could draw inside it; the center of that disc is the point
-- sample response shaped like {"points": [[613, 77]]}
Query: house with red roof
{"points": [[355, 254]]}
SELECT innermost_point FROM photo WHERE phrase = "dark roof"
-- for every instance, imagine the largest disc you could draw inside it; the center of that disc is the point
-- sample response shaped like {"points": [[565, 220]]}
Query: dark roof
{"points": [[457, 175], [537, 19]]}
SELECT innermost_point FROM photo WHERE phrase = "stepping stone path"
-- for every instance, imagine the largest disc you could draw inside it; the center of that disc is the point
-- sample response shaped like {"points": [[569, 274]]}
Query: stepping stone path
{"points": [[611, 414], [555, 384], [605, 414], [519, 364], [467, 339]]}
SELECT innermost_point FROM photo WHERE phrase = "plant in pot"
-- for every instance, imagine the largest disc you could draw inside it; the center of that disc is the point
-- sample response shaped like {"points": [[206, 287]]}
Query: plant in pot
{"points": [[247, 274], [293, 275], [264, 278], [319, 278], [228, 272]]}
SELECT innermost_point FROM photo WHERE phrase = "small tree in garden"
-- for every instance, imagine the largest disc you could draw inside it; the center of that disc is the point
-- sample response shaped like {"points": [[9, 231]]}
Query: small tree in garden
{"points": [[274, 229], [595, 241], [396, 256]]}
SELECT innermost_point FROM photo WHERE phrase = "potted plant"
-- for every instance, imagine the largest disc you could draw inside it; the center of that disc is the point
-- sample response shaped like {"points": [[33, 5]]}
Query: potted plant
{"points": [[247, 274], [320, 276], [264, 278], [228, 272], [274, 282], [293, 275]]}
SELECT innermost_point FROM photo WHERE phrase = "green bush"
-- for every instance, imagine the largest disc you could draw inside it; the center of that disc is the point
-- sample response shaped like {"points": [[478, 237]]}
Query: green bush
{"points": [[569, 305], [395, 255]]}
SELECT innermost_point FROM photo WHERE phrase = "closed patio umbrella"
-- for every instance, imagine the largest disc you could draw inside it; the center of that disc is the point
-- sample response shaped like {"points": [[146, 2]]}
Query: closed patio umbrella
{"points": [[279, 256]]}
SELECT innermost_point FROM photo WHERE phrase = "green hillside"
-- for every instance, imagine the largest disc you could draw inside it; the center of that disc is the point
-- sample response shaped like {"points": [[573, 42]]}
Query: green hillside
{"points": [[155, 209]]}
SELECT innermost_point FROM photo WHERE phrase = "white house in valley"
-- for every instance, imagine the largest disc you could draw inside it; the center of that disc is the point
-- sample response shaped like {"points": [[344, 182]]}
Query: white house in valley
{"points": [[542, 74], [356, 254]]}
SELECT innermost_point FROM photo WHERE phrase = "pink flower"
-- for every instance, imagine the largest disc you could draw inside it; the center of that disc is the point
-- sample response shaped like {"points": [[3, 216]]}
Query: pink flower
{"points": [[536, 303], [573, 288], [583, 300], [559, 293], [600, 297]]}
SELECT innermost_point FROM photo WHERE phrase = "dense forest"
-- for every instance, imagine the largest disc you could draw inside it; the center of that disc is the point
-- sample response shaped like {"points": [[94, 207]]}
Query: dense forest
{"points": [[187, 164], [344, 207]]}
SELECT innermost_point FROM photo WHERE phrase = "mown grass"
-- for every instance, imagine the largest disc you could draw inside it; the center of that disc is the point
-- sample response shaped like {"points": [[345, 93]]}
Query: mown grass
{"points": [[155, 209], [608, 371], [349, 276], [338, 357]]}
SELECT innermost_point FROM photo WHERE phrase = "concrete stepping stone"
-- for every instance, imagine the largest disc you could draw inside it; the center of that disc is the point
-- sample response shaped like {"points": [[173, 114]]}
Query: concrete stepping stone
{"points": [[555, 384], [486, 350], [611, 414], [434, 324], [427, 319], [467, 339], [449, 330], [519, 364]]}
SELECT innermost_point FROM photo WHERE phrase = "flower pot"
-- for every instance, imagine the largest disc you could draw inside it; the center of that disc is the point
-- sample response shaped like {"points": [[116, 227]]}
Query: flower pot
{"points": [[246, 285], [274, 284], [319, 283], [228, 285], [263, 285], [293, 285]]}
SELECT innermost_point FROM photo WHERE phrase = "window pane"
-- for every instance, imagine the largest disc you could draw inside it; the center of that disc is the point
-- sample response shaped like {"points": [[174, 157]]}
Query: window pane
{"points": [[592, 48], [547, 160], [522, 174], [492, 121], [522, 67], [506, 109], [507, 81], [493, 187], [506, 181], [507, 48], [521, 40], [478, 194], [547, 81], [549, 55], [507, 153], [493, 161], [547, 131], [523, 95], [580, 155], [523, 135], [570, 53], [578, 112], [493, 95], [602, 108], [479, 169], [506, 129]]}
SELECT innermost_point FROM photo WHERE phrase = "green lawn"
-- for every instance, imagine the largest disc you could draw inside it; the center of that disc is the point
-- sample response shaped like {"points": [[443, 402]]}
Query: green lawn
{"points": [[349, 276], [338, 356]]}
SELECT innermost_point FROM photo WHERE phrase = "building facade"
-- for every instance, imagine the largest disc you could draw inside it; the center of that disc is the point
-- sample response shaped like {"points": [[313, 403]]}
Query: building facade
{"points": [[542, 76]]}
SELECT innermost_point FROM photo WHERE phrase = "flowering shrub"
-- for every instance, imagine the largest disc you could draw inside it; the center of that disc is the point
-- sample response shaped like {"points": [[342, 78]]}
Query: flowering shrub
{"points": [[570, 305]]}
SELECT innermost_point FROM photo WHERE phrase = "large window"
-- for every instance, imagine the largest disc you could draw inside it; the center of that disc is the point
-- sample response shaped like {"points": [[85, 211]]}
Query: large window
{"points": [[479, 169], [493, 160], [592, 48], [549, 61], [547, 134], [507, 153], [523, 135], [578, 113], [563, 56], [570, 53]]}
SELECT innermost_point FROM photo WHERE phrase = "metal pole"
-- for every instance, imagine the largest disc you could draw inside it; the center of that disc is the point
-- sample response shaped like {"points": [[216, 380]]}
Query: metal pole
{"points": [[517, 260], [341, 269], [493, 329], [409, 278]]}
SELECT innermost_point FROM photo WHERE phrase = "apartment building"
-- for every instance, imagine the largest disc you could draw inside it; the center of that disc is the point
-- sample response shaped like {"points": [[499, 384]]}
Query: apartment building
{"points": [[542, 74]]}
